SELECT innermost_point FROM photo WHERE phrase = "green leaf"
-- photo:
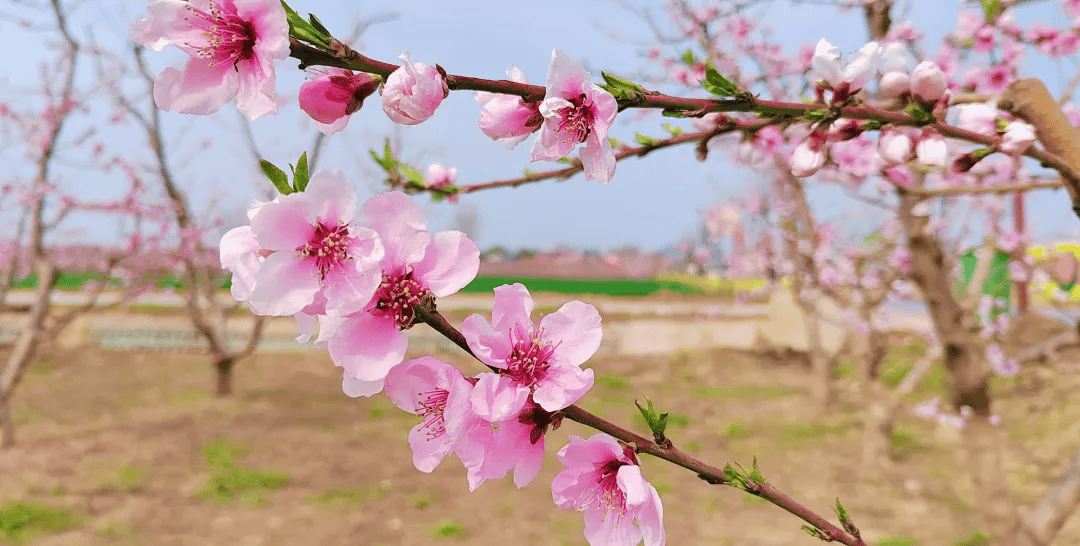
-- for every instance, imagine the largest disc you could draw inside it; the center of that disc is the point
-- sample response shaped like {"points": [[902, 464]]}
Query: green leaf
{"points": [[614, 142], [872, 125], [670, 113], [755, 472], [716, 83], [315, 22], [413, 176], [672, 130], [563, 160], [812, 531], [644, 140], [688, 57], [303, 30], [648, 414], [992, 9], [300, 173], [277, 177], [841, 513], [661, 424], [917, 112], [620, 83], [814, 115]]}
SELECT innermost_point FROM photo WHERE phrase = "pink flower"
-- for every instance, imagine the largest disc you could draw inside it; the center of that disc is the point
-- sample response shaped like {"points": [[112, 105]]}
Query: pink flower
{"points": [[895, 83], [977, 117], [233, 46], [438, 393], [336, 94], [508, 119], [544, 363], [604, 480], [312, 250], [855, 72], [809, 156], [576, 111], [1017, 139], [416, 266], [441, 178], [928, 82], [895, 147], [931, 149], [239, 251], [413, 92], [516, 443]]}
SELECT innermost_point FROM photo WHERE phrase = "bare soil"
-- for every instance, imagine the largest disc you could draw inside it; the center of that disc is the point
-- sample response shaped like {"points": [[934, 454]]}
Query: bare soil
{"points": [[121, 440]]}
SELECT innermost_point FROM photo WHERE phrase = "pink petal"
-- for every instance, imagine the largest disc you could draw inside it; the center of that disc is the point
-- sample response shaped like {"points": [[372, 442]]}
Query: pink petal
{"points": [[565, 77], [513, 307], [239, 255], [575, 328], [450, 262], [306, 324], [550, 144], [496, 397], [256, 95], [354, 387], [428, 452], [199, 89], [400, 224], [598, 161], [334, 197], [408, 384], [284, 224], [165, 24], [529, 465], [489, 346], [285, 285], [349, 289], [367, 346], [603, 527], [563, 387], [632, 484], [650, 518]]}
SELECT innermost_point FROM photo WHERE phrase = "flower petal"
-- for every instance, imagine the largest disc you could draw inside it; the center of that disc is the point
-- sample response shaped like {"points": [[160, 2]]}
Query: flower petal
{"points": [[496, 397], [367, 346], [285, 285], [450, 262], [575, 328]]}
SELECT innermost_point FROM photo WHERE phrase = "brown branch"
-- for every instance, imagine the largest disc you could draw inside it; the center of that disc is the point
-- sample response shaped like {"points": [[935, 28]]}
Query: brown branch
{"points": [[709, 473]]}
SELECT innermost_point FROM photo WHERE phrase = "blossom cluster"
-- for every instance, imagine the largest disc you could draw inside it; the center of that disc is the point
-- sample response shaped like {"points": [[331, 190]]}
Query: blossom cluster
{"points": [[233, 46], [362, 275]]}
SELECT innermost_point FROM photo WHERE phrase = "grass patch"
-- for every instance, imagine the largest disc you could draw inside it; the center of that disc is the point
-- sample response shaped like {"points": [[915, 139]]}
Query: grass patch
{"points": [[19, 521], [736, 429], [746, 391], [904, 441], [343, 498], [448, 529], [127, 479], [808, 431], [753, 499], [976, 538], [662, 487], [896, 541], [231, 482], [117, 530], [423, 500], [615, 382]]}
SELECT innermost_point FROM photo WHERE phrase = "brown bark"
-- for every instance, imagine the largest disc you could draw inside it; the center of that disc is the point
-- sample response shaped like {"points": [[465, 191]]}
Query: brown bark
{"points": [[7, 424], [1043, 523], [223, 367], [878, 18]]}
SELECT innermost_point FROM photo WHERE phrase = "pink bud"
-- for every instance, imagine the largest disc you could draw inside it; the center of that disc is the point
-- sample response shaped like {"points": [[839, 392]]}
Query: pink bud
{"points": [[413, 92], [931, 149], [894, 84], [336, 94], [808, 157], [895, 147], [1017, 138], [928, 82]]}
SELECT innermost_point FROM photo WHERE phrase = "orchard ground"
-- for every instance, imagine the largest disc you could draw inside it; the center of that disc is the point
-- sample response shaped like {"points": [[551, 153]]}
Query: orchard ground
{"points": [[130, 448]]}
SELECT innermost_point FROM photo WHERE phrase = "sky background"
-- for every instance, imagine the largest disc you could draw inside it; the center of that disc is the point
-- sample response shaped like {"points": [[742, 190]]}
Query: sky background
{"points": [[651, 203]]}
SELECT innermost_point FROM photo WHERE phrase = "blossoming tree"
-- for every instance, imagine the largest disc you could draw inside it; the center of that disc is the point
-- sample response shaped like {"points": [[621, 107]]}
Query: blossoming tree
{"points": [[356, 275]]}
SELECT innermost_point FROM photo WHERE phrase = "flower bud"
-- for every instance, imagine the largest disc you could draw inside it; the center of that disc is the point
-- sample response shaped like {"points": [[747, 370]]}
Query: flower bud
{"points": [[894, 84], [1017, 138], [931, 149], [928, 82], [895, 147], [809, 156], [413, 92], [336, 93]]}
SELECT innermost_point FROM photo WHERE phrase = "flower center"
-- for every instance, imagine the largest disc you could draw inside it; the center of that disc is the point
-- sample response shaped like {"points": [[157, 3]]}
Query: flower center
{"points": [[431, 409], [576, 120], [607, 496], [397, 298], [529, 359], [229, 38], [329, 246]]}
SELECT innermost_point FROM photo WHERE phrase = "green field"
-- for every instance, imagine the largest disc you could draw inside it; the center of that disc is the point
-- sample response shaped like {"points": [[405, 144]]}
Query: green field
{"points": [[675, 284]]}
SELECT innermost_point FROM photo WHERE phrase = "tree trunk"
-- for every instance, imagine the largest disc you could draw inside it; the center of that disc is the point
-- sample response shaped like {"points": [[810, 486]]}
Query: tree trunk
{"points": [[224, 367], [7, 424], [1044, 521], [820, 361]]}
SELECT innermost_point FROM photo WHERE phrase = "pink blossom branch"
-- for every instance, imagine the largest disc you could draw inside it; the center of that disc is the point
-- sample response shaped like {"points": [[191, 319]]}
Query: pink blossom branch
{"points": [[711, 474]]}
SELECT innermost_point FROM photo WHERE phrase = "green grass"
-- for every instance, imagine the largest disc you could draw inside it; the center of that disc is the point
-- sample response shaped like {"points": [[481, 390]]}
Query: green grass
{"points": [[745, 391], [231, 482], [976, 538], [904, 441], [19, 521], [896, 541], [614, 382], [343, 498], [423, 500], [127, 479], [448, 529], [736, 429]]}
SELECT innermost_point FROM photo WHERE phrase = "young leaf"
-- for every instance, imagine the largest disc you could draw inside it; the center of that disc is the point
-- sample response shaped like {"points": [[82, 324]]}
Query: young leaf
{"points": [[841, 513], [688, 57], [672, 130], [300, 174], [644, 140], [716, 83], [277, 177]]}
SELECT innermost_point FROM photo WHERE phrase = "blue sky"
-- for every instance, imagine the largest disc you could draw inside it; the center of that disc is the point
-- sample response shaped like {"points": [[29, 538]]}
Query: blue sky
{"points": [[651, 202]]}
